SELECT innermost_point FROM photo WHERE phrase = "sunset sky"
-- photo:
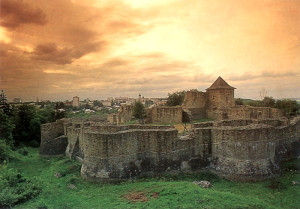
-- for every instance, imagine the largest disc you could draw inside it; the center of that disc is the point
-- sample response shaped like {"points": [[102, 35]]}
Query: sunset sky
{"points": [[56, 49]]}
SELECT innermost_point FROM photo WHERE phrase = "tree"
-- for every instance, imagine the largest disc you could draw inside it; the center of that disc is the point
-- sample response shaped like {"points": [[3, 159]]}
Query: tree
{"points": [[6, 128], [139, 111], [27, 124], [97, 103], [239, 101], [268, 102], [175, 98], [290, 107]]}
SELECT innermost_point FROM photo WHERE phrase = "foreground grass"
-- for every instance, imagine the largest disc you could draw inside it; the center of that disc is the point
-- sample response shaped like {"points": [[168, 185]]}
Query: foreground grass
{"points": [[173, 191]]}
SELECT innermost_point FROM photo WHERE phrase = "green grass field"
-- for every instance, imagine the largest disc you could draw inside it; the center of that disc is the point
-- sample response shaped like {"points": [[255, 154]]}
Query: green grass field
{"points": [[164, 192]]}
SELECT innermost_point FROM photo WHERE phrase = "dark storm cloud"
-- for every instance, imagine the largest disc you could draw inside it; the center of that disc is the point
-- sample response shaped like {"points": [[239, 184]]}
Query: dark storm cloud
{"points": [[15, 13]]}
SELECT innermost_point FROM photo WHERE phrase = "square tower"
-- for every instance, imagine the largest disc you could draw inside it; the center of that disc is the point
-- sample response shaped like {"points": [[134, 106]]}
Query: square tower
{"points": [[220, 95]]}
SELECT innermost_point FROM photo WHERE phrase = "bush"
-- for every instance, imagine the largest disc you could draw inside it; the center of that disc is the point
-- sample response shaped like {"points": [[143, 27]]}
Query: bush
{"points": [[175, 98], [23, 151], [290, 107], [15, 188], [5, 151], [139, 111], [239, 101]]}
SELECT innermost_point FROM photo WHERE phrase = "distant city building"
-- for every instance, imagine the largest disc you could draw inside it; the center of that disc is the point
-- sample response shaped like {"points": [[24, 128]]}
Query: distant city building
{"points": [[3, 99], [46, 101], [106, 103], [17, 100], [75, 102], [68, 103]]}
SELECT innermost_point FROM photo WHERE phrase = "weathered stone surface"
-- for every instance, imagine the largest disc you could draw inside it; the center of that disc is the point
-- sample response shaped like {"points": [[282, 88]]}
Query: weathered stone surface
{"points": [[242, 150]]}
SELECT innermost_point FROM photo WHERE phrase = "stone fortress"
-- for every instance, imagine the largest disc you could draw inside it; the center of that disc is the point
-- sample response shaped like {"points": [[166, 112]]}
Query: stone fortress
{"points": [[247, 144], [216, 103]]}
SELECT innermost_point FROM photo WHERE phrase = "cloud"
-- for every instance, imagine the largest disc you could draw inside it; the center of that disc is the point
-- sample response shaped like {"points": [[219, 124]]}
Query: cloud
{"points": [[263, 75], [62, 55], [15, 13]]}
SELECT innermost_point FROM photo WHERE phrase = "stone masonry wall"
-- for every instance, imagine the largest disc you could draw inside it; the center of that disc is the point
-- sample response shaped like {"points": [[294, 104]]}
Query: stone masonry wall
{"points": [[194, 99], [244, 112], [51, 141], [221, 98], [253, 152], [243, 150], [163, 114]]}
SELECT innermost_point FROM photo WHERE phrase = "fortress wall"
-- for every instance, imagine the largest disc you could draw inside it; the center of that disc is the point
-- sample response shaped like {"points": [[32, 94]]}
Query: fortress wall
{"points": [[195, 113], [288, 145], [108, 155], [248, 112], [254, 152], [203, 141], [51, 143], [244, 112], [115, 128], [165, 114], [202, 125], [246, 153], [194, 99]]}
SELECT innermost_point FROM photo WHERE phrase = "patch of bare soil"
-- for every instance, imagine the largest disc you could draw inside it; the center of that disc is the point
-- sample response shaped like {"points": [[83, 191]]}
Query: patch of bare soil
{"points": [[140, 196]]}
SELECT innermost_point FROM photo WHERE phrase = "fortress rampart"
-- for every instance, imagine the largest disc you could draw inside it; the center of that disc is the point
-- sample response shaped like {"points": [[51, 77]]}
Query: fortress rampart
{"points": [[242, 150]]}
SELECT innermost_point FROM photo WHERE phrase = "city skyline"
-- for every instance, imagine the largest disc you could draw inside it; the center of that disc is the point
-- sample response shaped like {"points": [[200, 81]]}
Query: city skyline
{"points": [[96, 49]]}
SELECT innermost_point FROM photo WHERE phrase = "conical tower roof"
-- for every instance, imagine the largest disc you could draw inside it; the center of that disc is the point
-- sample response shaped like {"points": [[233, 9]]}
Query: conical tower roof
{"points": [[220, 84]]}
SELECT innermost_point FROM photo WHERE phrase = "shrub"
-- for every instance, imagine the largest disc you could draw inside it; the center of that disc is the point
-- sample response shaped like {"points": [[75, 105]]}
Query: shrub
{"points": [[5, 151], [175, 98], [239, 101], [15, 188], [139, 111], [23, 151]]}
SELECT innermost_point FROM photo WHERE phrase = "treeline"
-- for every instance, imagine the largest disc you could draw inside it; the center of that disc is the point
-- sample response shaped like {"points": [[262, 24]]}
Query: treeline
{"points": [[21, 125], [290, 107]]}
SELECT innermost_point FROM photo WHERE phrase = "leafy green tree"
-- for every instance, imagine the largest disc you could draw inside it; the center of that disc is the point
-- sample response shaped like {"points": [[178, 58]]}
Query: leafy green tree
{"points": [[6, 128], [176, 98], [59, 105], [268, 102], [239, 101], [139, 111], [28, 124], [97, 103], [290, 107]]}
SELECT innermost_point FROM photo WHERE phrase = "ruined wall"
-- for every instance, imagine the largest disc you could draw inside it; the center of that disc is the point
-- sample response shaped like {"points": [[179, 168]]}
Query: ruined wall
{"points": [[125, 153], [163, 114], [253, 151], [194, 99], [124, 115], [114, 118], [244, 112], [243, 150], [51, 141]]}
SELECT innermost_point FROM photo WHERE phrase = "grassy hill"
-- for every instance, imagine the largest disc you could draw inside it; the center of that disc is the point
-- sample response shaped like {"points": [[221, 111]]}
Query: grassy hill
{"points": [[70, 191]]}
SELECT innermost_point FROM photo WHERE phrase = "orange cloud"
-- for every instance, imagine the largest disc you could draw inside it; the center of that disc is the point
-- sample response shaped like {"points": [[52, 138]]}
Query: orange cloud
{"points": [[106, 48]]}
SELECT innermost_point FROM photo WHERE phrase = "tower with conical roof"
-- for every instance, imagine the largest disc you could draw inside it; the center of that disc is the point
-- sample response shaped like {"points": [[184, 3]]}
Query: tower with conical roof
{"points": [[220, 95]]}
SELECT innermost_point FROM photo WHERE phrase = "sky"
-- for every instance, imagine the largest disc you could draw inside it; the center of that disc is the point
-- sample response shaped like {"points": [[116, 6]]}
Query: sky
{"points": [[57, 49]]}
